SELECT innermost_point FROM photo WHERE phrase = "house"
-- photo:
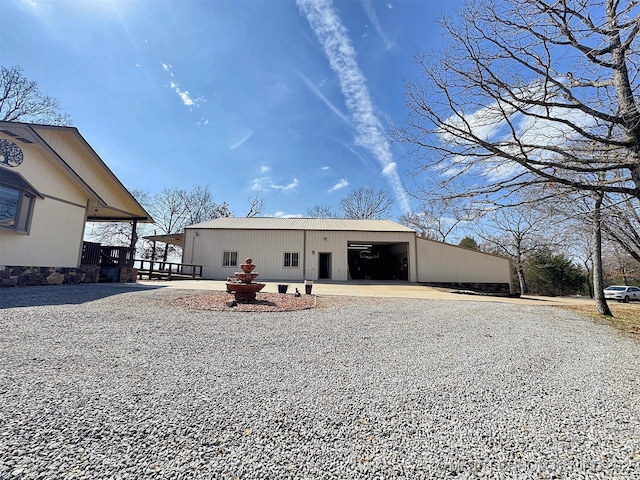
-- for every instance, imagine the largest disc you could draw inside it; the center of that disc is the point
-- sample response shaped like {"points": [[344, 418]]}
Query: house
{"points": [[298, 249], [51, 184]]}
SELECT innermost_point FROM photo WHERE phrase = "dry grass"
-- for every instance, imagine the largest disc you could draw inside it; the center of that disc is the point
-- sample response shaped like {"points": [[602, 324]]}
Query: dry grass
{"points": [[626, 317]]}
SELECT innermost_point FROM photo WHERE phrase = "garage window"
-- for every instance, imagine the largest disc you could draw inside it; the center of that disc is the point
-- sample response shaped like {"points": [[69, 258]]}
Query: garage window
{"points": [[230, 259], [291, 260]]}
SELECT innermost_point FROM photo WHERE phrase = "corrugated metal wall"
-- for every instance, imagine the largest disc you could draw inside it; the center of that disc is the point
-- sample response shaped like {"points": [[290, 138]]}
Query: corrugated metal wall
{"points": [[440, 262], [267, 247], [429, 261], [335, 242]]}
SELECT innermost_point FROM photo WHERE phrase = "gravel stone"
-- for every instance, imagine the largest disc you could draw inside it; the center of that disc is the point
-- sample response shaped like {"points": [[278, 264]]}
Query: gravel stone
{"points": [[120, 381]]}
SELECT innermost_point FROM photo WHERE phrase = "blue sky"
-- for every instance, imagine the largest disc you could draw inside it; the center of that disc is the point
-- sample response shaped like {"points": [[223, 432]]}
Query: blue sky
{"points": [[288, 99]]}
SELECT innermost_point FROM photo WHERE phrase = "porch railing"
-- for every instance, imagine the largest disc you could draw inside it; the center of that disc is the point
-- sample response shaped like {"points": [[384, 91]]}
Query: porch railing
{"points": [[90, 253], [105, 256], [167, 270], [116, 257]]}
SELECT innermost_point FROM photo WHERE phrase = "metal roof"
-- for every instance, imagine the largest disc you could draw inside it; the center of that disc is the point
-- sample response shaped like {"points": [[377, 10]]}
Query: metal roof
{"points": [[321, 224], [172, 239]]}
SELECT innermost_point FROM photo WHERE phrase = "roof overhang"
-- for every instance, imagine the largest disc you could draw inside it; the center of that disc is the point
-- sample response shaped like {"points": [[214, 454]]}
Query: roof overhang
{"points": [[173, 239]]}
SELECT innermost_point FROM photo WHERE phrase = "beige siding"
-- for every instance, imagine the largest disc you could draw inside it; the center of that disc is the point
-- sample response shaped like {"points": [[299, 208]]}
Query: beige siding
{"points": [[55, 238], [58, 220], [267, 247], [57, 224], [92, 171], [440, 262], [336, 243], [47, 178]]}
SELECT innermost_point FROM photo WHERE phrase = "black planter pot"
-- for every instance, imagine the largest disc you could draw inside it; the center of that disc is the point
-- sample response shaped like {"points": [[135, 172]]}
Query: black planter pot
{"points": [[282, 288]]}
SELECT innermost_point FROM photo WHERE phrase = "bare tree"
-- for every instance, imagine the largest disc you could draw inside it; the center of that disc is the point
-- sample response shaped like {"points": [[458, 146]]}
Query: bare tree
{"points": [[580, 245], [172, 209], [518, 232], [322, 211], [621, 224], [22, 101], [532, 92], [200, 207], [367, 203], [256, 204], [619, 265], [438, 218]]}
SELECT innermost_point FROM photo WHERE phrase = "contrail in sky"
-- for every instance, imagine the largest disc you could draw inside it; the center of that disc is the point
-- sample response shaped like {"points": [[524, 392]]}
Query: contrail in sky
{"points": [[335, 40]]}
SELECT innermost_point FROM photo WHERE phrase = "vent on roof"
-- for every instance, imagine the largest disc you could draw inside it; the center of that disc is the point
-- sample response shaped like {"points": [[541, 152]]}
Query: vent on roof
{"points": [[23, 140], [7, 132]]}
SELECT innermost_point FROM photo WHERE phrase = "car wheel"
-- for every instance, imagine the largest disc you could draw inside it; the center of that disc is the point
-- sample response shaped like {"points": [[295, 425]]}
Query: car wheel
{"points": [[626, 299]]}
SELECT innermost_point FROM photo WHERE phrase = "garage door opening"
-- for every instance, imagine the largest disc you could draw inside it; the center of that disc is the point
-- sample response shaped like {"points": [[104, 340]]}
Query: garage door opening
{"points": [[378, 261]]}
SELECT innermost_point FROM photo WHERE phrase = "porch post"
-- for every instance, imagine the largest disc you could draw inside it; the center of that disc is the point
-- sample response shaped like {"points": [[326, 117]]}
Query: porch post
{"points": [[134, 240]]}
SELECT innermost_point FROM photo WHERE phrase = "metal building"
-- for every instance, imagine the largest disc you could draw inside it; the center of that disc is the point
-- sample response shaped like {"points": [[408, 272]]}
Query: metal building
{"points": [[298, 249]]}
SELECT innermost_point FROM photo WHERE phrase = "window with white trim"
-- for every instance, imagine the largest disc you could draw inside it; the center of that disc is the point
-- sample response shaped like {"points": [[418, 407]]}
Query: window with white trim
{"points": [[291, 260], [230, 259]]}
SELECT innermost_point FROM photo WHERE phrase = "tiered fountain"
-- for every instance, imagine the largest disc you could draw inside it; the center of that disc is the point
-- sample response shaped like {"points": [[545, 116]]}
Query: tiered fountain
{"points": [[243, 288]]}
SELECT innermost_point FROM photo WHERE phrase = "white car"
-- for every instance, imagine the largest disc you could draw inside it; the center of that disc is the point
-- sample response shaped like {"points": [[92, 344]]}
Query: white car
{"points": [[622, 293]]}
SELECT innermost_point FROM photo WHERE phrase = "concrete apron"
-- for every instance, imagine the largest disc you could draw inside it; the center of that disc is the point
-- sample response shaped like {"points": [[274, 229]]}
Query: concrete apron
{"points": [[364, 288]]}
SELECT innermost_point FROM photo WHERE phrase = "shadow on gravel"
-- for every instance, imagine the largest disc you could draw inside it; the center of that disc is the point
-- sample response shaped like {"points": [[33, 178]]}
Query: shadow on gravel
{"points": [[12, 297]]}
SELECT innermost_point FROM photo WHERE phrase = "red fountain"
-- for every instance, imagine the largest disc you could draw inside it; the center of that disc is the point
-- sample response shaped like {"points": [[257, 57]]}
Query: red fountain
{"points": [[243, 288]]}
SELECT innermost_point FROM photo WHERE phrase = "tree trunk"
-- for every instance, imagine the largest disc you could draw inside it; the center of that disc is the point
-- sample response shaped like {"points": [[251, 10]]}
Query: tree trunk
{"points": [[598, 277], [523, 283], [589, 286]]}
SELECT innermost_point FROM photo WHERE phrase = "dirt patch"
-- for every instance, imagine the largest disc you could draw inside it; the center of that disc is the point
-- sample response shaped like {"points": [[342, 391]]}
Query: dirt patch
{"points": [[265, 302]]}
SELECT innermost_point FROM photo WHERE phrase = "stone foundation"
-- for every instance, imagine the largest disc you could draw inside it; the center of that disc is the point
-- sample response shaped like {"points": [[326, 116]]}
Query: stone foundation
{"points": [[491, 288], [11, 276], [128, 275]]}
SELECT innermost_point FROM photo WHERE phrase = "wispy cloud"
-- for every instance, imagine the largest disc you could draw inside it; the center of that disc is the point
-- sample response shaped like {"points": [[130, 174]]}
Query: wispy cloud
{"points": [[239, 142], [316, 91], [341, 184], [371, 13], [325, 168], [265, 168], [183, 94], [339, 50], [281, 214], [257, 183], [167, 68], [291, 185], [541, 129]]}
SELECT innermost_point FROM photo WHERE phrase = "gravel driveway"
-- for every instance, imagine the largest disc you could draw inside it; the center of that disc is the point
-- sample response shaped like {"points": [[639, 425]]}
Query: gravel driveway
{"points": [[110, 381]]}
